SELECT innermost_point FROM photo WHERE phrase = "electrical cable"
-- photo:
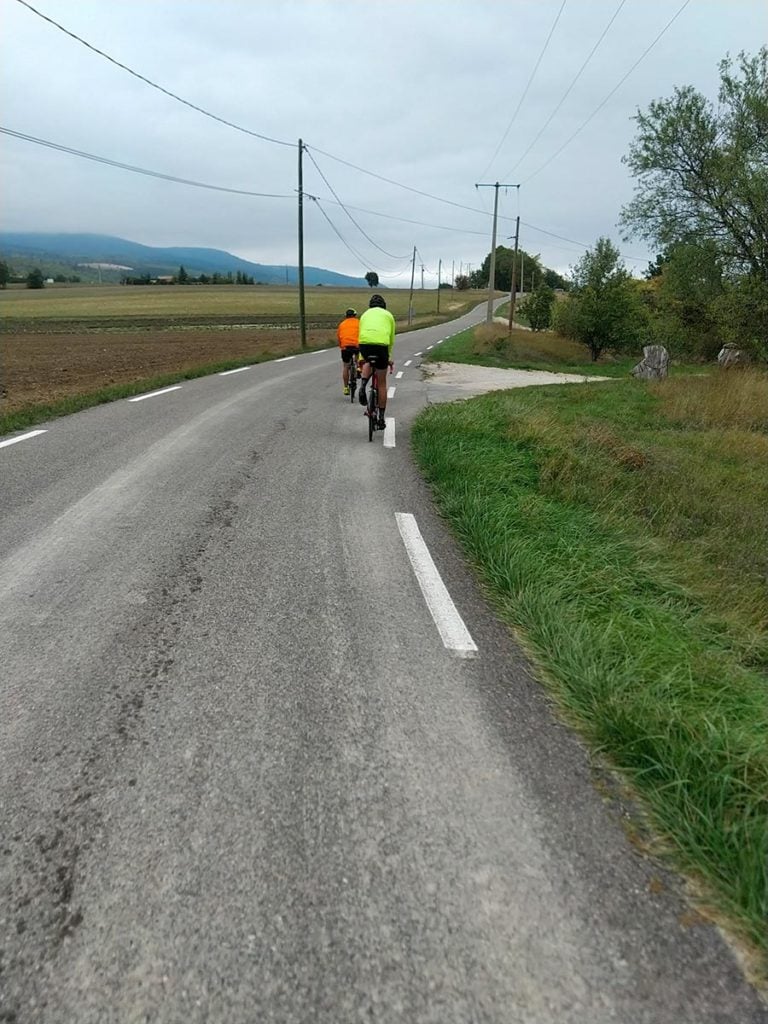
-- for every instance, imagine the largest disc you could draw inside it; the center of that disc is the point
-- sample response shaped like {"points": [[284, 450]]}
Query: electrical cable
{"points": [[527, 87], [154, 85], [336, 231], [567, 92], [618, 85], [140, 170], [345, 209]]}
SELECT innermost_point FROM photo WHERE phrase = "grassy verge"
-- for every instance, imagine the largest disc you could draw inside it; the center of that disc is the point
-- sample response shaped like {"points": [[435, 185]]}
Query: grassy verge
{"points": [[39, 412], [623, 532], [490, 345]]}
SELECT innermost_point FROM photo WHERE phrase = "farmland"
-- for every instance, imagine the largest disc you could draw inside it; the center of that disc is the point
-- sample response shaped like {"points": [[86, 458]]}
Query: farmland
{"points": [[64, 343]]}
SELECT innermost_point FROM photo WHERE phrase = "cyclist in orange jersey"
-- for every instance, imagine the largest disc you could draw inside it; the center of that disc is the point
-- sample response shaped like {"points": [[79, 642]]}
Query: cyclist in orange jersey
{"points": [[347, 332]]}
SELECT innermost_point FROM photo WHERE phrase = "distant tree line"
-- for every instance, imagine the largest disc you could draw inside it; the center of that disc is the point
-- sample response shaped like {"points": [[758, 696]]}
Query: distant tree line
{"points": [[183, 277], [33, 279]]}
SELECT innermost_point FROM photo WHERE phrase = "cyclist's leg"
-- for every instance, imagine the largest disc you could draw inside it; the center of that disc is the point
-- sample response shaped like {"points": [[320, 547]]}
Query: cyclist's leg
{"points": [[345, 357]]}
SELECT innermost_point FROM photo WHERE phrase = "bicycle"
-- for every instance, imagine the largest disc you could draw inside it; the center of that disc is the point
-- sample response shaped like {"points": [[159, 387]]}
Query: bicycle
{"points": [[372, 408]]}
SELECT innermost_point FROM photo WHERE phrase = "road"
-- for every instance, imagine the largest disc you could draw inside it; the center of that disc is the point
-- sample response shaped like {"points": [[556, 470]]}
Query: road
{"points": [[242, 777]]}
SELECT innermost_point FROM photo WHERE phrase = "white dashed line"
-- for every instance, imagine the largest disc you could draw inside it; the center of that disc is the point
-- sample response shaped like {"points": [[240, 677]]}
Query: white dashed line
{"points": [[450, 625], [429, 347], [389, 434], [399, 375], [152, 394], [21, 437], [407, 362], [284, 359], [416, 354], [225, 373], [391, 391]]}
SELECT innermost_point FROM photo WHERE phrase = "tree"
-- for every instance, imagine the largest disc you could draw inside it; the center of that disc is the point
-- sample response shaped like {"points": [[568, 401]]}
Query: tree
{"points": [[605, 306], [461, 282], [372, 278], [702, 173], [701, 192], [538, 307], [182, 277], [35, 278], [5, 273]]}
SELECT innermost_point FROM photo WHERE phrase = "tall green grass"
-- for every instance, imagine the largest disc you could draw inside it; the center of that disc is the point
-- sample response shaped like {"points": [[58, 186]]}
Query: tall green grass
{"points": [[629, 549]]}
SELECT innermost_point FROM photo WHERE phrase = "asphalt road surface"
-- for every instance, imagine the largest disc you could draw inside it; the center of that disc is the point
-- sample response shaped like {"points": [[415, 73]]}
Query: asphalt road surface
{"points": [[245, 774]]}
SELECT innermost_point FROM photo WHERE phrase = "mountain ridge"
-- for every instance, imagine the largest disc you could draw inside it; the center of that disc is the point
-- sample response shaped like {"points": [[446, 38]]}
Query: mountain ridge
{"points": [[77, 249]]}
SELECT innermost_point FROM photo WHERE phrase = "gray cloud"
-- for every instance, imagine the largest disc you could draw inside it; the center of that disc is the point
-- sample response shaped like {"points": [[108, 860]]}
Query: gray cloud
{"points": [[418, 91]]}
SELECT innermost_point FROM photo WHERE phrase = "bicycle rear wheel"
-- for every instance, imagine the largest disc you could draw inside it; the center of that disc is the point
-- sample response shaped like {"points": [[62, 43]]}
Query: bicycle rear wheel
{"points": [[352, 380], [373, 401]]}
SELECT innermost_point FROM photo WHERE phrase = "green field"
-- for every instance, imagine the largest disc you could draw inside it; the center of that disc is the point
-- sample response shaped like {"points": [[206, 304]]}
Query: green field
{"points": [[622, 531], [82, 302]]}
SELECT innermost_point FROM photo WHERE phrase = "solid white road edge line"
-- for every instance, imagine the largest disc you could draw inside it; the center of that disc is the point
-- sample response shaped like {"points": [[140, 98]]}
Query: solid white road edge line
{"points": [[284, 359], [399, 375], [389, 434], [21, 437], [407, 362], [450, 625], [151, 394], [226, 373], [391, 391]]}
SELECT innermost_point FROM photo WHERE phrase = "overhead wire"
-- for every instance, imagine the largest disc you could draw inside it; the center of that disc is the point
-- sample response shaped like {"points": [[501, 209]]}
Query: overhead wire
{"points": [[240, 128], [615, 89], [154, 85], [567, 92], [527, 87], [346, 210], [140, 170]]}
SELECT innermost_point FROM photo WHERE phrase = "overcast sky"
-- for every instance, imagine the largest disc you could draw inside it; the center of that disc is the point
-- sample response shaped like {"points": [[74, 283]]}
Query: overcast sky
{"points": [[419, 91]]}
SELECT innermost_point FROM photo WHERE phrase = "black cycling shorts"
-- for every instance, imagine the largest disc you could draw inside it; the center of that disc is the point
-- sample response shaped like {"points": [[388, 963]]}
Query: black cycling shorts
{"points": [[347, 352], [376, 355]]}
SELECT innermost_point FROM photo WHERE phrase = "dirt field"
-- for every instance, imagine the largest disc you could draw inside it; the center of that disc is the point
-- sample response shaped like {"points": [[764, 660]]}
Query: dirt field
{"points": [[47, 367], [62, 342]]}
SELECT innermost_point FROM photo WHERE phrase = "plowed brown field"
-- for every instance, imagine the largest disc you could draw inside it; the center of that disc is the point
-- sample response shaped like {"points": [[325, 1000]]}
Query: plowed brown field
{"points": [[47, 367]]}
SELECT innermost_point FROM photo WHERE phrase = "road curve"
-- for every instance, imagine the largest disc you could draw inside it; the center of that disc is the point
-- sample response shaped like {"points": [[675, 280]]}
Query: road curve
{"points": [[243, 778]]}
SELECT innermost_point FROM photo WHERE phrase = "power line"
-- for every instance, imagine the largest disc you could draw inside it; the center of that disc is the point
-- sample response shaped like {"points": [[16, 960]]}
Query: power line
{"points": [[399, 184], [408, 220], [139, 170], [346, 210], [582, 245], [230, 124], [148, 81], [342, 239], [568, 90], [618, 85], [525, 91]]}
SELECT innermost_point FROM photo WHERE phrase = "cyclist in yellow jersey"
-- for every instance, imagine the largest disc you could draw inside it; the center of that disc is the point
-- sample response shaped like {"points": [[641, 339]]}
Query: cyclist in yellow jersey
{"points": [[377, 341]]}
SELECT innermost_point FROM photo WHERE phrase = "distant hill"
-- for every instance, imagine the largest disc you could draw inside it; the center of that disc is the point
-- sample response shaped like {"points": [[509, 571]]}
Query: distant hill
{"points": [[70, 253]]}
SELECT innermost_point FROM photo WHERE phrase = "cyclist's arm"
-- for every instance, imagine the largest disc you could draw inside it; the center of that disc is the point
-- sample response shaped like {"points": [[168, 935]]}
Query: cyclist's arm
{"points": [[391, 338]]}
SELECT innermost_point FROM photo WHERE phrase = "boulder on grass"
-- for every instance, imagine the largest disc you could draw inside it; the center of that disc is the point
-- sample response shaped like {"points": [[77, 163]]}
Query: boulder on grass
{"points": [[654, 365], [729, 356]]}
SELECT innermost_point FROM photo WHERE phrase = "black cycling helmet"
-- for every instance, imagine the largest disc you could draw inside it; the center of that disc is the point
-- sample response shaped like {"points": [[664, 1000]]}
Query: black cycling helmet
{"points": [[350, 312], [376, 300]]}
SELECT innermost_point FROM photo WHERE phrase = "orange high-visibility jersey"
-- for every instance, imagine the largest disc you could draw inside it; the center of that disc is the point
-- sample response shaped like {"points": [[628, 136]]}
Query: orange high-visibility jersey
{"points": [[348, 331]]}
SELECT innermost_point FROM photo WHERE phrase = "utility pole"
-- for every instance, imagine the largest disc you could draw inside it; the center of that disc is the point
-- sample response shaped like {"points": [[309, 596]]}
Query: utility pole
{"points": [[492, 274], [522, 274], [513, 290], [422, 277], [439, 268], [453, 269], [302, 310], [410, 297]]}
